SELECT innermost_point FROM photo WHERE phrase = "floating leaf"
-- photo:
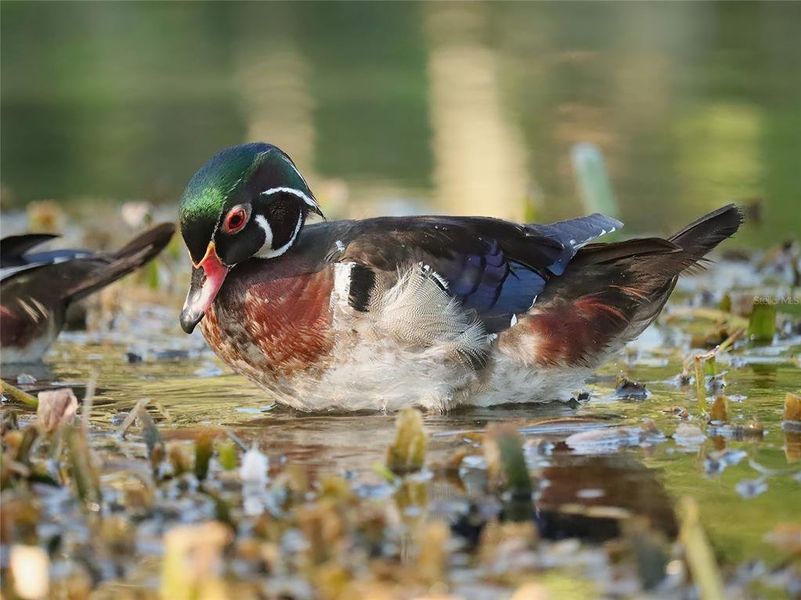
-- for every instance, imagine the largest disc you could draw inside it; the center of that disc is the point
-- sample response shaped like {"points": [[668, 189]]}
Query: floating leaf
{"points": [[716, 462], [628, 389], [689, 436]]}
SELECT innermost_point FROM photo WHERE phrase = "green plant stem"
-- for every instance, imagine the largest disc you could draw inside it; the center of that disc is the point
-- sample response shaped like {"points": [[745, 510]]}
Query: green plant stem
{"points": [[17, 395]]}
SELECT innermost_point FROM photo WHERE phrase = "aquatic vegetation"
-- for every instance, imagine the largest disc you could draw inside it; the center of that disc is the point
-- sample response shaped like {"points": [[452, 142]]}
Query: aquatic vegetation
{"points": [[56, 407], [700, 557], [17, 395], [407, 453], [762, 323], [792, 408]]}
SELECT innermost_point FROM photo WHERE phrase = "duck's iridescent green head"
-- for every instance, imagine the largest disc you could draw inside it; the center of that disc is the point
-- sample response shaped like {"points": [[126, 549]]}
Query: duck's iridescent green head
{"points": [[246, 201]]}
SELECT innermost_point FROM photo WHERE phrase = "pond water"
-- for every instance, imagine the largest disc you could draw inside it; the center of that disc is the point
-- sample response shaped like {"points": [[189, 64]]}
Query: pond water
{"points": [[454, 107]]}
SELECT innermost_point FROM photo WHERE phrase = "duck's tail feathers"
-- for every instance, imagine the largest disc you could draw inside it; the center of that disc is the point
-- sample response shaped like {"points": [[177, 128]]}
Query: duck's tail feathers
{"points": [[702, 235]]}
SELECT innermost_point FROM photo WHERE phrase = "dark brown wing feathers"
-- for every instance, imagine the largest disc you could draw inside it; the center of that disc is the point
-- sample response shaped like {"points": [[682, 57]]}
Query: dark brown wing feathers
{"points": [[134, 254]]}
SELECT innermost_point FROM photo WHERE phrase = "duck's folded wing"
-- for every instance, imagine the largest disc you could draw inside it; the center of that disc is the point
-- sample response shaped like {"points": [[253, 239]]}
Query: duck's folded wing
{"points": [[493, 267]]}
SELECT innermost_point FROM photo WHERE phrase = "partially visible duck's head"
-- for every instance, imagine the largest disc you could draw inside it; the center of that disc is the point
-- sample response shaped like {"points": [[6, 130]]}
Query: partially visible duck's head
{"points": [[246, 201]]}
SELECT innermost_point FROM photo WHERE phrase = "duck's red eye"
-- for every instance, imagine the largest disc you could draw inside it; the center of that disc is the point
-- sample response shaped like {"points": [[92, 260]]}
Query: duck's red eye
{"points": [[235, 220]]}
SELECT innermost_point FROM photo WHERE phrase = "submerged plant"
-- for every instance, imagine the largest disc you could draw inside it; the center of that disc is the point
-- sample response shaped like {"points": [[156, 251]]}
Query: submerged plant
{"points": [[17, 395], [698, 553], [762, 323], [792, 407], [407, 453], [226, 454], [204, 448], [83, 471]]}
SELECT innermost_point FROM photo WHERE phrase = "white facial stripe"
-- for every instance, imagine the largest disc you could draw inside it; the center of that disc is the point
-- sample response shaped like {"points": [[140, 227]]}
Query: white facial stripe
{"points": [[287, 190], [266, 248], [266, 251]]}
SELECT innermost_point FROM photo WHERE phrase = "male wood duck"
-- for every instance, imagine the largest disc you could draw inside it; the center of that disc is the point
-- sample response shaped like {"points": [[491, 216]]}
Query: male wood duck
{"points": [[433, 311], [37, 287]]}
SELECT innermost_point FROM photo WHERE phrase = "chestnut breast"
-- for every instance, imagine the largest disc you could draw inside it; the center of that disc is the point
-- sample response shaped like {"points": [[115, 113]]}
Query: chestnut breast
{"points": [[278, 325]]}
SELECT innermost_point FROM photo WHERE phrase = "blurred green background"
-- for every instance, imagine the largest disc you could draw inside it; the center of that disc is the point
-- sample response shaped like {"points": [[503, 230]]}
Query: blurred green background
{"points": [[399, 107]]}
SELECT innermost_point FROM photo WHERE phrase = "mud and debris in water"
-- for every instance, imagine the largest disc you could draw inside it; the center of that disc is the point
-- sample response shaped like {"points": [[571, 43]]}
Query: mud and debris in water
{"points": [[135, 465]]}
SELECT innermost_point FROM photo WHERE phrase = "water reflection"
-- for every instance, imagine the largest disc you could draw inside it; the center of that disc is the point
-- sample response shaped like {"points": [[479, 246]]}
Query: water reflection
{"points": [[274, 86], [720, 152], [410, 107], [479, 157]]}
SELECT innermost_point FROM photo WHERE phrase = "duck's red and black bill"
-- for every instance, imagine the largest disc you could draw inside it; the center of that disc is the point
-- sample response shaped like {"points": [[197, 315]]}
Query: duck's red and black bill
{"points": [[207, 279]]}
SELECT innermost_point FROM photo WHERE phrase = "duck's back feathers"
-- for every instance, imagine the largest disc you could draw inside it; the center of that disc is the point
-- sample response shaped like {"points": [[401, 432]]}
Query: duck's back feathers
{"points": [[493, 267], [598, 295]]}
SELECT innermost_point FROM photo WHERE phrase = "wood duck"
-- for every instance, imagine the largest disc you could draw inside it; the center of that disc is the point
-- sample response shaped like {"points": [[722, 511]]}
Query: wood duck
{"points": [[37, 287], [433, 311]]}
